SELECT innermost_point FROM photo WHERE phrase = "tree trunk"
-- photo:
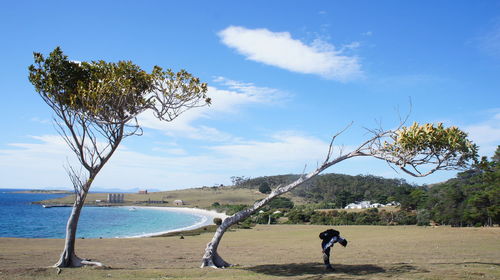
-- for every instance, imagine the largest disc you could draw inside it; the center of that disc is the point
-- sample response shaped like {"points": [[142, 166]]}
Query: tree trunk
{"points": [[68, 256], [211, 258]]}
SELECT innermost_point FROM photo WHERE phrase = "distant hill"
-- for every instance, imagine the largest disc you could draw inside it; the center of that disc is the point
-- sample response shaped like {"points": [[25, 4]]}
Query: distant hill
{"points": [[338, 189], [333, 190]]}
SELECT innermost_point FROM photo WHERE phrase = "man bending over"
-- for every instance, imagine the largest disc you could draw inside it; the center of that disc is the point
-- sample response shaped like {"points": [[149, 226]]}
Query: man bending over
{"points": [[330, 237]]}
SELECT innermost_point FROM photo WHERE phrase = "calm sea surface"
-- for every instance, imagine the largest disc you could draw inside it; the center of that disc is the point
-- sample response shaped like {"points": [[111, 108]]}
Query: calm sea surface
{"points": [[20, 218]]}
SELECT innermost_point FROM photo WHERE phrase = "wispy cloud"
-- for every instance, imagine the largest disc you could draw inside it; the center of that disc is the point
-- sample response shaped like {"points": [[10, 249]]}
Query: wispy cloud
{"points": [[283, 149], [228, 97], [486, 134], [281, 50], [41, 121], [489, 42], [283, 152]]}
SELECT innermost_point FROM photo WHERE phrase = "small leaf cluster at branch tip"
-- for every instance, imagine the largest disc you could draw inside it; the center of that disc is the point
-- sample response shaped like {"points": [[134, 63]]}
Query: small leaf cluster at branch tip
{"points": [[447, 148]]}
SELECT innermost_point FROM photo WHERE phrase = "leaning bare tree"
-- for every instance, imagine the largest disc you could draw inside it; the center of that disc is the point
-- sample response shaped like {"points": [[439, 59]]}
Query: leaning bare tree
{"points": [[96, 105], [412, 149]]}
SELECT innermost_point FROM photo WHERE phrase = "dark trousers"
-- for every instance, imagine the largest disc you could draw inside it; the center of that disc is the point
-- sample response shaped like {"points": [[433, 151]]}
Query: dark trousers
{"points": [[326, 255]]}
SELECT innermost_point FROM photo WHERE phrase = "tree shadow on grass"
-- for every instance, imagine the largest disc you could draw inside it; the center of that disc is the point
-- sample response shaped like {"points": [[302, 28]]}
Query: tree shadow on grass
{"points": [[296, 269]]}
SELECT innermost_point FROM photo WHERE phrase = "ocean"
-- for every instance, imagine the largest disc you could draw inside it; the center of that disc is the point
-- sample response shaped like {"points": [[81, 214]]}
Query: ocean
{"points": [[20, 218]]}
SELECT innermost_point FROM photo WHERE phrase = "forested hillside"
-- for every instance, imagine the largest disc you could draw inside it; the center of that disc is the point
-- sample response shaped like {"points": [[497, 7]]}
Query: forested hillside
{"points": [[470, 199], [338, 190]]}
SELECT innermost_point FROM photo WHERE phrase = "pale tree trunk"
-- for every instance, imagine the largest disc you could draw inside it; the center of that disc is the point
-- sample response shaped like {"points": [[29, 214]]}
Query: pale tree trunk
{"points": [[212, 259], [374, 147], [68, 256]]}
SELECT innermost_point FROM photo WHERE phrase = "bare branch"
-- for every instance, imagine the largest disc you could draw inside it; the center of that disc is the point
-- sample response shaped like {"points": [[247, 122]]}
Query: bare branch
{"points": [[330, 147]]}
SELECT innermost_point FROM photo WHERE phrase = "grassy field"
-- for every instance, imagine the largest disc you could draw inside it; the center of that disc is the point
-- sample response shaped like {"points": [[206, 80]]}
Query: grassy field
{"points": [[272, 252], [199, 197]]}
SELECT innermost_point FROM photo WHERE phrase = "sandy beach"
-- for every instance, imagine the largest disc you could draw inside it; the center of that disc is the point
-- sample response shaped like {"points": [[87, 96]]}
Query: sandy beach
{"points": [[207, 217]]}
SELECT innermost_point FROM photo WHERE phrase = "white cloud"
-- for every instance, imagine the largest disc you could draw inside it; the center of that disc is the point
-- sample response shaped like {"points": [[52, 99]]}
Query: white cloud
{"points": [[40, 164], [43, 161], [486, 136], [225, 100], [284, 149], [486, 133], [40, 121], [281, 50]]}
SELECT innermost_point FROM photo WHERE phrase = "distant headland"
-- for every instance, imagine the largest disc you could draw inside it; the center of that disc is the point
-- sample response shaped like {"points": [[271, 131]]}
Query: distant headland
{"points": [[46, 191]]}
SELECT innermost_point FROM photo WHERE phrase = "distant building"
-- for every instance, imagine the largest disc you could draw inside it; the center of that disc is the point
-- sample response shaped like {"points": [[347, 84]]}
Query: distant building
{"points": [[352, 206], [393, 203], [143, 191], [366, 204], [115, 197], [178, 202]]}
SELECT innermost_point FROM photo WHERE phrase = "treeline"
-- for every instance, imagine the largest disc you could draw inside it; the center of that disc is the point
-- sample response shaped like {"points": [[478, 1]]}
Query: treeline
{"points": [[470, 199], [337, 190], [283, 210]]}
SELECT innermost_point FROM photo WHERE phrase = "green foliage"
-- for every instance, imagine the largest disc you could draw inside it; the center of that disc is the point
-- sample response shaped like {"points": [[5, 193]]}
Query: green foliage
{"points": [[217, 221], [368, 217], [280, 202], [420, 145], [57, 79], [264, 188], [423, 217], [245, 224], [470, 199], [216, 204], [229, 209], [99, 90], [338, 190], [113, 92], [299, 216]]}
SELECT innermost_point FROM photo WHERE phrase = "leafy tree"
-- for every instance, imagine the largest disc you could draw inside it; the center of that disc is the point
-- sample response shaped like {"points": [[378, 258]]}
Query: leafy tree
{"points": [[96, 105], [472, 198], [343, 198], [414, 200], [264, 188], [423, 217], [298, 216], [412, 149], [281, 202]]}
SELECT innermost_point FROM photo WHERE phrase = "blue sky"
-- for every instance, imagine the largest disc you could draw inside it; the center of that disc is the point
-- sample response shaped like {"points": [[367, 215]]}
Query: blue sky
{"points": [[284, 77]]}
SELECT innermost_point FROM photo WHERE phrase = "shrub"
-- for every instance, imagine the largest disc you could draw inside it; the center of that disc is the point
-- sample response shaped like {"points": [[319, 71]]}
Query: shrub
{"points": [[218, 221], [264, 188]]}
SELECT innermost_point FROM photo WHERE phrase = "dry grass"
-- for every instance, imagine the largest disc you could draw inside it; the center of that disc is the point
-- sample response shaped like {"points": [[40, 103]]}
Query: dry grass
{"points": [[273, 252], [200, 197]]}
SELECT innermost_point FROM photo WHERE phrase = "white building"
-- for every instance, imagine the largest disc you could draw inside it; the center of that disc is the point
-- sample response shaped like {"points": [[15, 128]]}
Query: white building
{"points": [[178, 202], [366, 204]]}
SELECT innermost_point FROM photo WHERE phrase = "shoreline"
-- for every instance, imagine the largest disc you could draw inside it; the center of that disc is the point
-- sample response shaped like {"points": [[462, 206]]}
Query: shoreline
{"points": [[206, 216]]}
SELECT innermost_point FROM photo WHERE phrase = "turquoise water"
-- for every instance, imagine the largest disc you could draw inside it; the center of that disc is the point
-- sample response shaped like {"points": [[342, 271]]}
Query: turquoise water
{"points": [[20, 218]]}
